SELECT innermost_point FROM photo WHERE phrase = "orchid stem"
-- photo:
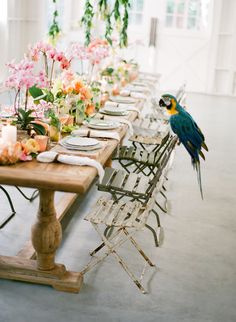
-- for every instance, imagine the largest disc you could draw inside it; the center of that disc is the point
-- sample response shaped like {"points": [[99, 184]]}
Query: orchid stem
{"points": [[45, 64], [15, 100], [50, 82], [26, 98]]}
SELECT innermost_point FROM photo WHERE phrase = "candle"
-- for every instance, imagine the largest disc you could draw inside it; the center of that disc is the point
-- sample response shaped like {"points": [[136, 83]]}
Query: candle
{"points": [[9, 134]]}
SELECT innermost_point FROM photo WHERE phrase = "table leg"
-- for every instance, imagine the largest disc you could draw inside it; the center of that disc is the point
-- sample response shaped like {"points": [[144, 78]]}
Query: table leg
{"points": [[46, 233], [46, 237]]}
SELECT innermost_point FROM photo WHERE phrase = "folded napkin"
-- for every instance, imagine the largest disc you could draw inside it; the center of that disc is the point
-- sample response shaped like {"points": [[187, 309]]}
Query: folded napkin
{"points": [[96, 134], [50, 156]]}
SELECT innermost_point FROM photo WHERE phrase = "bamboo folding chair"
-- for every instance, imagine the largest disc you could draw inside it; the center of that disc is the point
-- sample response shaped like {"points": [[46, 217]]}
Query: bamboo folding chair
{"points": [[127, 218]]}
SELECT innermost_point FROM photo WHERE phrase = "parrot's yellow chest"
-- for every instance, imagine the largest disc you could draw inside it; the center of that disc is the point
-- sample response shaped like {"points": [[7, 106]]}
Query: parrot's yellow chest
{"points": [[173, 109]]}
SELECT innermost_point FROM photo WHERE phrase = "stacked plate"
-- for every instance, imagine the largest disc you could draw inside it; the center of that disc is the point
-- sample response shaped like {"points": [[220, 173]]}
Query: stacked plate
{"points": [[102, 124], [113, 110], [123, 99], [80, 143]]}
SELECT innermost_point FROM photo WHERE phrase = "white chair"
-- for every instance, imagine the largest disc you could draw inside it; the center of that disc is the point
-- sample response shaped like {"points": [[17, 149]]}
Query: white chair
{"points": [[124, 219]]}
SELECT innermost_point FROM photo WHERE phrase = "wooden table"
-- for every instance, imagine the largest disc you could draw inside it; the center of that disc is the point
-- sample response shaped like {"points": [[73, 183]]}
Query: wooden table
{"points": [[46, 232]]}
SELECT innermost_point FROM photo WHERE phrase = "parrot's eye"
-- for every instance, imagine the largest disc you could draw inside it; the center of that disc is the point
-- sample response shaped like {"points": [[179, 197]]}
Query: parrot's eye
{"points": [[165, 101]]}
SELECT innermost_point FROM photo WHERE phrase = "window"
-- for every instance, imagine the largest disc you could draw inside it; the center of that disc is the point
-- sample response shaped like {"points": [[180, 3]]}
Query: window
{"points": [[187, 14], [136, 12]]}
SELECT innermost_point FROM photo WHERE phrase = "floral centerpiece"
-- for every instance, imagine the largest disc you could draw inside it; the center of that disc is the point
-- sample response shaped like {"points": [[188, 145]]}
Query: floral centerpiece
{"points": [[11, 153]]}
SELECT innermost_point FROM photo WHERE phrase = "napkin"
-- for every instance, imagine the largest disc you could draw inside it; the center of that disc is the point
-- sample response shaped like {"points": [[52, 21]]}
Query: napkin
{"points": [[50, 156], [97, 134]]}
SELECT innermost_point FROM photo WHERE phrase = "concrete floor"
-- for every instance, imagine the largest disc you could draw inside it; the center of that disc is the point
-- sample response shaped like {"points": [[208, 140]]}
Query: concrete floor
{"points": [[196, 276]]}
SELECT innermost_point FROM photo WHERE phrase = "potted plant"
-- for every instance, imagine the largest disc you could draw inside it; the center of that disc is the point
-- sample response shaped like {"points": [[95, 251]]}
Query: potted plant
{"points": [[26, 124]]}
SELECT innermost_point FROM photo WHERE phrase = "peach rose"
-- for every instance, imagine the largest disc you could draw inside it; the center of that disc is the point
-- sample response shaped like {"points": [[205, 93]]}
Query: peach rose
{"points": [[30, 146], [90, 109]]}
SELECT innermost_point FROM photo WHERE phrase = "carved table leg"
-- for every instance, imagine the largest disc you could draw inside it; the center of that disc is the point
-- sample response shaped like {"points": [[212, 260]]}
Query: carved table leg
{"points": [[46, 233], [46, 237]]}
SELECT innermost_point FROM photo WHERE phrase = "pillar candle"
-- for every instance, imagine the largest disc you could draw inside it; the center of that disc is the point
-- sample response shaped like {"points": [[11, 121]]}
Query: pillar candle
{"points": [[9, 134]]}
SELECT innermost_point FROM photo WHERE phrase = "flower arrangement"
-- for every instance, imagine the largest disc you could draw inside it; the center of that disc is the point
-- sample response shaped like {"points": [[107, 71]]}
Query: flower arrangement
{"points": [[11, 153], [73, 96]]}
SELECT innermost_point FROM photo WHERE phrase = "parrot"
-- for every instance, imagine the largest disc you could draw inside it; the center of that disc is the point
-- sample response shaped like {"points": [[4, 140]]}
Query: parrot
{"points": [[187, 131]]}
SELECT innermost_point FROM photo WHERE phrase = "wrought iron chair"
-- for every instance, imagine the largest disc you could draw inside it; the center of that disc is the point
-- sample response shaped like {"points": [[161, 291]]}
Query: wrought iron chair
{"points": [[13, 212]]}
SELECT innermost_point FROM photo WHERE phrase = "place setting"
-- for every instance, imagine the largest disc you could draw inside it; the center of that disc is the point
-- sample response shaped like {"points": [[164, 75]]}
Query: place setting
{"points": [[101, 124], [123, 99]]}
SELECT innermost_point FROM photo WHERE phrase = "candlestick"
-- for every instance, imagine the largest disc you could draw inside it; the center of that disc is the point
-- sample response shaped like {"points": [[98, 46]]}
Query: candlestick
{"points": [[9, 134]]}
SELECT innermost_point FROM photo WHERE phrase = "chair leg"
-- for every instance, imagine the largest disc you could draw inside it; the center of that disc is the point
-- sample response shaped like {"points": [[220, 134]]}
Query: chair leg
{"points": [[131, 275], [154, 234], [111, 250], [147, 259], [32, 197], [163, 209], [5, 221]]}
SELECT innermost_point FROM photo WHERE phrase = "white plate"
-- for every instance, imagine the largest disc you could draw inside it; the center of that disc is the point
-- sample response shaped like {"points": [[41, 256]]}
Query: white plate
{"points": [[79, 141], [123, 99], [79, 148], [102, 124], [118, 113], [139, 84]]}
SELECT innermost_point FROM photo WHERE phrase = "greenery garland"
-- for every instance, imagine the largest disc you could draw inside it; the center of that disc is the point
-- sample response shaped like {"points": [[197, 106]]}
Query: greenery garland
{"points": [[86, 20], [125, 21], [107, 15], [54, 29]]}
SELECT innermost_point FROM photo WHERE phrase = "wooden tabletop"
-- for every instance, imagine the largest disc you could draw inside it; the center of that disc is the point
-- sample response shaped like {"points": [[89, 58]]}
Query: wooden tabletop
{"points": [[55, 176]]}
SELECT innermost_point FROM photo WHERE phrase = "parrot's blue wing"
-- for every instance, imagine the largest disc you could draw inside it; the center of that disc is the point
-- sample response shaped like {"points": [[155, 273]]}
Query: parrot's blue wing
{"points": [[191, 137], [188, 134]]}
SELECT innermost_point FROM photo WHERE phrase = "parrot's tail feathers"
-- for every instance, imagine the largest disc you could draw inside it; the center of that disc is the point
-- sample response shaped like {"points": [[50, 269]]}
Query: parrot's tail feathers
{"points": [[204, 146], [202, 155], [199, 179]]}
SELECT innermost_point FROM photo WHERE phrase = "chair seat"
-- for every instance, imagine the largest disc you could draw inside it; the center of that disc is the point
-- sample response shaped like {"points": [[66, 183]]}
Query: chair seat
{"points": [[122, 183], [121, 214], [130, 153]]}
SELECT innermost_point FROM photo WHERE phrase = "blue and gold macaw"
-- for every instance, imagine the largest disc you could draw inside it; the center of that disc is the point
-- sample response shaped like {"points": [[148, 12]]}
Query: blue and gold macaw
{"points": [[187, 131]]}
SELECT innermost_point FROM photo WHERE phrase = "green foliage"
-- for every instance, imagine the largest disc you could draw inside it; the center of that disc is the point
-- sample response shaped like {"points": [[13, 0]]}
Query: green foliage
{"points": [[108, 71], [54, 120], [86, 20], [54, 29], [116, 10], [107, 15], [39, 94], [68, 128], [26, 122], [109, 28], [125, 23]]}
